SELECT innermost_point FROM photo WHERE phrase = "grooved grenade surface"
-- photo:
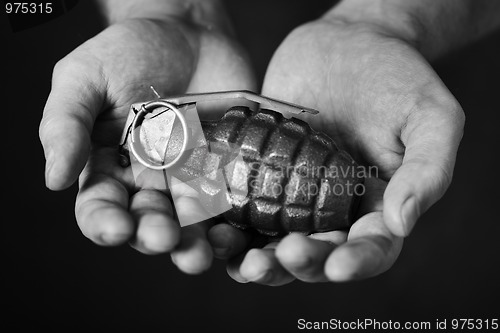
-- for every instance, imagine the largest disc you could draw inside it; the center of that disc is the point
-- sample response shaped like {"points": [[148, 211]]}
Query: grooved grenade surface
{"points": [[283, 176]]}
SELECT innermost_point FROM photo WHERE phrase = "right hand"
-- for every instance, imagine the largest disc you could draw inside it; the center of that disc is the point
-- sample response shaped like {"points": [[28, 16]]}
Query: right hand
{"points": [[92, 90], [382, 102]]}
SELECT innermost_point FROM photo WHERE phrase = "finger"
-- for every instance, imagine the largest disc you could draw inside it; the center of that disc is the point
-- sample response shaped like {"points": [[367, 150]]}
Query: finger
{"points": [[336, 237], [431, 137], [75, 99], [101, 210], [233, 268], [261, 266], [370, 250], [194, 254], [228, 241], [304, 257], [372, 197], [157, 230], [234, 263]]}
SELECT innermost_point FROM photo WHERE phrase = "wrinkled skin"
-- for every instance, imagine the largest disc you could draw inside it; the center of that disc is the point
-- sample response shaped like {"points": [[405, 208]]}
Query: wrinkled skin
{"points": [[381, 101], [92, 90]]}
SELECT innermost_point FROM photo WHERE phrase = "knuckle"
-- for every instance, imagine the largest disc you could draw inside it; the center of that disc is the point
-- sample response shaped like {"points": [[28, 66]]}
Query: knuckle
{"points": [[44, 128], [61, 65], [460, 118], [442, 176], [85, 67], [456, 113], [64, 66], [439, 176]]}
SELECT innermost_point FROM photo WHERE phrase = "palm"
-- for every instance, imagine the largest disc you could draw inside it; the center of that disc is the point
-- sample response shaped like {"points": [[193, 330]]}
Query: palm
{"points": [[364, 83], [102, 78], [355, 108], [368, 88], [355, 103], [146, 59]]}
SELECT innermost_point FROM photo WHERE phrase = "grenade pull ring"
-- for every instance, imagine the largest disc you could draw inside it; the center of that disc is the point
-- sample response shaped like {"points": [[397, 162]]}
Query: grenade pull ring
{"points": [[175, 102], [135, 137]]}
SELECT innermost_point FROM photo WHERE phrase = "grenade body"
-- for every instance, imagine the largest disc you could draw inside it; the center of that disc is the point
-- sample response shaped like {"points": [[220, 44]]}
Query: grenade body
{"points": [[288, 178]]}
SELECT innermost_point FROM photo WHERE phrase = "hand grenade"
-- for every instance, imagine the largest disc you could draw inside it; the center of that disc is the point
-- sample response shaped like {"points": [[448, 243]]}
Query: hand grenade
{"points": [[284, 176]]}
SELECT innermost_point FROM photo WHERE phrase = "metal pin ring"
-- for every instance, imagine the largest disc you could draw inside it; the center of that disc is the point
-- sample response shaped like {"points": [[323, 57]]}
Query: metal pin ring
{"points": [[133, 140]]}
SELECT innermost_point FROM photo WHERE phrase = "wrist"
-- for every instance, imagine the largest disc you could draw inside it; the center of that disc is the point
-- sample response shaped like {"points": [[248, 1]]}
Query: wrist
{"points": [[393, 18], [208, 14], [433, 27]]}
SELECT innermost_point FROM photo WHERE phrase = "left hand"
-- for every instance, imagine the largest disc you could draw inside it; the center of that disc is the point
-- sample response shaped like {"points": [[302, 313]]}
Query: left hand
{"points": [[382, 102], [92, 90]]}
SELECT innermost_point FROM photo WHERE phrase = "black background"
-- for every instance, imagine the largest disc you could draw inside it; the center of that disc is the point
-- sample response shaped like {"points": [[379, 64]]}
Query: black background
{"points": [[56, 278]]}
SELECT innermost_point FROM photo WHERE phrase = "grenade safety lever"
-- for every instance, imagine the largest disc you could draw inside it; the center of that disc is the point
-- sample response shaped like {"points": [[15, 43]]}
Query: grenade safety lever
{"points": [[265, 102], [173, 103]]}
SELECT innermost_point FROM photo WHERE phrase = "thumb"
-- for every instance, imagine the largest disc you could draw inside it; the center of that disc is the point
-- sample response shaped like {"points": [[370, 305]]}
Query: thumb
{"points": [[431, 136], [71, 109]]}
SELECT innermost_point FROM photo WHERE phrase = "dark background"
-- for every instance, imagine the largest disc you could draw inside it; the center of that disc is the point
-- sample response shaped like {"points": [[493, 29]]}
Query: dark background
{"points": [[56, 278]]}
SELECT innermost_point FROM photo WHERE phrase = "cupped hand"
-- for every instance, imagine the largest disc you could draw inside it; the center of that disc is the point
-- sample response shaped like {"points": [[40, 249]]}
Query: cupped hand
{"points": [[92, 90], [382, 102]]}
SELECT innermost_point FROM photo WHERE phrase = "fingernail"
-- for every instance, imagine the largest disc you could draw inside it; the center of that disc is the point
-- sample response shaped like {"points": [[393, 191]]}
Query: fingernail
{"points": [[48, 167], [266, 276], [113, 239], [409, 214]]}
